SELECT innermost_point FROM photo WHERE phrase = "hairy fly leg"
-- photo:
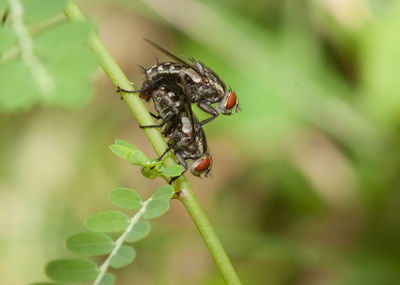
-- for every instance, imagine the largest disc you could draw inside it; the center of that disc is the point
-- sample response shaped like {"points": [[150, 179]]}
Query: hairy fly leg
{"points": [[157, 117], [206, 107], [153, 126], [182, 162]]}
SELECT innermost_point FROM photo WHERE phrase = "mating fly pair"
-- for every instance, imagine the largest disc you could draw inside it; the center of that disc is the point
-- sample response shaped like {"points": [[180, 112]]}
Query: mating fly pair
{"points": [[173, 87]]}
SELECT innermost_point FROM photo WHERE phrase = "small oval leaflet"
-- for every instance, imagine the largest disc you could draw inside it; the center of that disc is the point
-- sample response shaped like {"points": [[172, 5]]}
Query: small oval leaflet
{"points": [[121, 151], [108, 279], [90, 243], [125, 144], [71, 270], [173, 170], [164, 192], [109, 221], [123, 256], [126, 198], [138, 158], [156, 208], [139, 231]]}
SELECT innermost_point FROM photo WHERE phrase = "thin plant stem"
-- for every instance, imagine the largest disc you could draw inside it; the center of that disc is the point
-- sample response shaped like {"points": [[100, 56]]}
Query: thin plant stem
{"points": [[186, 194]]}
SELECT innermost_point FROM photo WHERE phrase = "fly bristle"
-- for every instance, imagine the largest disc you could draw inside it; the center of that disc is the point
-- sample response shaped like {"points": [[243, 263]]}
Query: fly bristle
{"points": [[142, 68]]}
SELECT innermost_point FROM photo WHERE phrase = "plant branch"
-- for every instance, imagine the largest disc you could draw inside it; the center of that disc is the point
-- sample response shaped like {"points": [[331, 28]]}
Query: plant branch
{"points": [[120, 241], [186, 194]]}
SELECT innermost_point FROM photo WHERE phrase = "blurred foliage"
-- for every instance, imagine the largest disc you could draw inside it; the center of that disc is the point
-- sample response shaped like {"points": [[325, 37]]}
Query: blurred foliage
{"points": [[306, 176], [61, 52]]}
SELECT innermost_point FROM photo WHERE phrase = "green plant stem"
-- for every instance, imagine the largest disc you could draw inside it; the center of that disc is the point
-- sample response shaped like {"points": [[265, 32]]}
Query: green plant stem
{"points": [[186, 194]]}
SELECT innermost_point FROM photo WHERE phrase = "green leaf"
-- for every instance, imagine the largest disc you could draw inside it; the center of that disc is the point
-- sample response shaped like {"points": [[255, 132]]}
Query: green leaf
{"points": [[139, 231], [67, 59], [109, 221], [90, 243], [123, 256], [121, 151], [173, 170], [3, 5], [138, 158], [379, 57], [18, 91], [7, 38], [156, 208], [149, 173], [126, 198], [45, 283], [164, 192], [63, 41], [36, 10], [125, 144], [71, 270], [72, 75], [108, 279]]}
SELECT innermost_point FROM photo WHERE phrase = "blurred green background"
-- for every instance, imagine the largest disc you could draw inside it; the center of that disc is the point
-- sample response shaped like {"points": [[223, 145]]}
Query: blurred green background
{"points": [[305, 182]]}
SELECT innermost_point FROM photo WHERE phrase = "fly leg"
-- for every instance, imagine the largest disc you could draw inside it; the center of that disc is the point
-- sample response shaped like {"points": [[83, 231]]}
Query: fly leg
{"points": [[188, 105], [149, 87], [166, 151], [182, 162], [153, 126], [206, 107], [157, 117], [119, 89]]}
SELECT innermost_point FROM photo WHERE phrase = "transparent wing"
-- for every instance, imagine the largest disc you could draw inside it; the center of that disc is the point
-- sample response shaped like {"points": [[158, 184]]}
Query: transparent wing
{"points": [[164, 51]]}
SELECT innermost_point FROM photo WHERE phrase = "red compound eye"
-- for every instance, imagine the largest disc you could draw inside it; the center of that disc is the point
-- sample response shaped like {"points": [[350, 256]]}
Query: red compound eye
{"points": [[204, 164], [231, 100]]}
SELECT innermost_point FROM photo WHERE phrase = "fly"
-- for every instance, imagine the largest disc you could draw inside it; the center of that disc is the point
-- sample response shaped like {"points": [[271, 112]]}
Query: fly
{"points": [[203, 85], [183, 131]]}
